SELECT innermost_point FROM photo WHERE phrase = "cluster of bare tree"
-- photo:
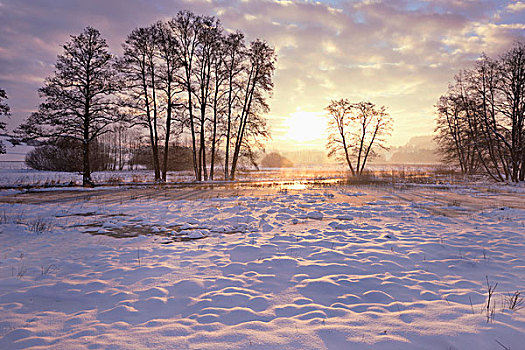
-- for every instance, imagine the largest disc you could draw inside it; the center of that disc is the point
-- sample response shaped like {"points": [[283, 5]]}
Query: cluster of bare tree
{"points": [[355, 131], [481, 118], [197, 78], [184, 76], [119, 145]]}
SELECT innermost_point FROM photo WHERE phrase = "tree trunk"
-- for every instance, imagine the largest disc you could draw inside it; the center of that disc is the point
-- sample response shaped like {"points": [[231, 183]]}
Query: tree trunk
{"points": [[228, 133], [229, 124], [192, 127], [202, 143], [86, 169], [244, 117], [367, 152], [522, 171], [168, 131], [214, 135], [347, 156], [152, 120]]}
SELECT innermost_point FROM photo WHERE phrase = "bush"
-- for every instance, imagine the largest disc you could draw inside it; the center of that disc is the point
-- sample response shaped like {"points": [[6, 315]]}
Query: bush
{"points": [[66, 155], [275, 160], [179, 158]]}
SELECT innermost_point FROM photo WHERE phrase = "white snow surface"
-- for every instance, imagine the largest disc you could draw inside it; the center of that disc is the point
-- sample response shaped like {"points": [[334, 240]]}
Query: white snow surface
{"points": [[278, 271], [31, 177]]}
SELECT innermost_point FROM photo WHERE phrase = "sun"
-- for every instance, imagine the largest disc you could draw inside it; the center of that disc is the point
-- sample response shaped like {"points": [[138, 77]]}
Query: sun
{"points": [[305, 126]]}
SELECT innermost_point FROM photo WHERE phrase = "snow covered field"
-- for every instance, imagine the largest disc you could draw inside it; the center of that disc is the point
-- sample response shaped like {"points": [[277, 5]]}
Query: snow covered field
{"points": [[30, 177], [13, 178], [319, 268]]}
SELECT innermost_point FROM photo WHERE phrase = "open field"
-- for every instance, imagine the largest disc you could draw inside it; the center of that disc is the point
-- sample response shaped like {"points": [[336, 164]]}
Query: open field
{"points": [[29, 178], [317, 264]]}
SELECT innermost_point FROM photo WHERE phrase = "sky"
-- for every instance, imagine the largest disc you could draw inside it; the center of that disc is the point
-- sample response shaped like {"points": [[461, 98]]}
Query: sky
{"points": [[398, 53]]}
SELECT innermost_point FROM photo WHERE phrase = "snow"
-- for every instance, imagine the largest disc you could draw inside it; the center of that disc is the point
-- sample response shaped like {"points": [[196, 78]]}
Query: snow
{"points": [[28, 177], [319, 268]]}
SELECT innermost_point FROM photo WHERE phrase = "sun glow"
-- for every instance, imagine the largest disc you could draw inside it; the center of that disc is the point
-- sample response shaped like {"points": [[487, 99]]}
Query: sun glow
{"points": [[306, 126]]}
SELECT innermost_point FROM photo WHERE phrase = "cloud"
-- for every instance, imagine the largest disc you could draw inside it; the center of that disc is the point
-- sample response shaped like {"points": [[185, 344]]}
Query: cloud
{"points": [[397, 53], [517, 6]]}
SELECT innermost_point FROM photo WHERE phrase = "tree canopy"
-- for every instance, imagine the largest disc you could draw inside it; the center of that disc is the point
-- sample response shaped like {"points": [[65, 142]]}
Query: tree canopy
{"points": [[79, 98]]}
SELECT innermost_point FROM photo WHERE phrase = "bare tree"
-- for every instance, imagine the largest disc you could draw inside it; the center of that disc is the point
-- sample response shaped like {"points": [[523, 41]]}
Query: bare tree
{"points": [[513, 108], [218, 99], [79, 98], [454, 142], [139, 68], [4, 112], [235, 52], [356, 130], [479, 93], [209, 37], [256, 86], [185, 28], [168, 80], [339, 123]]}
